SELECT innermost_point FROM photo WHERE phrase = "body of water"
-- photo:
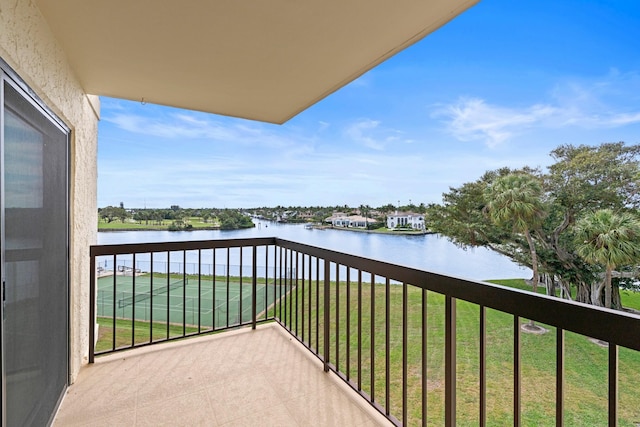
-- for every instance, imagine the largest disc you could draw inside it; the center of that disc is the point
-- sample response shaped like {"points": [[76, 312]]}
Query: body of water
{"points": [[426, 252]]}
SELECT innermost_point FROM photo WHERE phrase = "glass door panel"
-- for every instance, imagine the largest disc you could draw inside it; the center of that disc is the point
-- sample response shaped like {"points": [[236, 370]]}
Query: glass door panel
{"points": [[35, 268]]}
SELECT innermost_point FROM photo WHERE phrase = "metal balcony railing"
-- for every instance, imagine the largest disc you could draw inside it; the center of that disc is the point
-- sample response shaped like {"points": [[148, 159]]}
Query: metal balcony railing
{"points": [[392, 333]]}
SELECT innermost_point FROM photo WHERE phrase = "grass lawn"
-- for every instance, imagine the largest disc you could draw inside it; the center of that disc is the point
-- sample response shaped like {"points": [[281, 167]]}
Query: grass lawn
{"points": [[195, 222], [585, 362], [630, 299], [142, 332], [117, 225], [585, 371]]}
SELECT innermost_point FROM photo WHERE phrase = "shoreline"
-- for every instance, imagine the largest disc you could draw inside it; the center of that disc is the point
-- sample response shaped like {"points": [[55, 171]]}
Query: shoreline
{"points": [[152, 229], [314, 227], [116, 230], [377, 231]]}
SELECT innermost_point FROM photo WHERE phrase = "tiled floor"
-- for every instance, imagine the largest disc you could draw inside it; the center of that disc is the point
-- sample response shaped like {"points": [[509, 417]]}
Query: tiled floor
{"points": [[240, 378]]}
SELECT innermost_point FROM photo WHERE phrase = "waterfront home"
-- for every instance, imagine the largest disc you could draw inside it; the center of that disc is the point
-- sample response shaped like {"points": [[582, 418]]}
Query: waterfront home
{"points": [[405, 219], [338, 220], [353, 221]]}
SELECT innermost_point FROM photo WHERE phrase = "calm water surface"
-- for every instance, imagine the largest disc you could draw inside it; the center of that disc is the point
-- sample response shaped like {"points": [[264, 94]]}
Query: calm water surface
{"points": [[427, 252]]}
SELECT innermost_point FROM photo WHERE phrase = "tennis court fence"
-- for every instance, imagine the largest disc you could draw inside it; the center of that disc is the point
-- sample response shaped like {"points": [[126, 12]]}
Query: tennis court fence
{"points": [[146, 294], [125, 266]]}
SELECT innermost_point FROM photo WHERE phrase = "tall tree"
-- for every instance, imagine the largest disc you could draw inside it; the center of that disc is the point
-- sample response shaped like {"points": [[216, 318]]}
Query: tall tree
{"points": [[364, 211], [608, 239], [582, 179], [516, 200], [111, 212]]}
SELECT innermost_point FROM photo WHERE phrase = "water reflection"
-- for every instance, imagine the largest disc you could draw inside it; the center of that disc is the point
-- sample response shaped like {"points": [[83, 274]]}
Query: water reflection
{"points": [[426, 252]]}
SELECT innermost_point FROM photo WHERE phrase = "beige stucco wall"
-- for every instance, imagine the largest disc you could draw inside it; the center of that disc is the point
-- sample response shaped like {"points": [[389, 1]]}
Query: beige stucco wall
{"points": [[27, 45]]}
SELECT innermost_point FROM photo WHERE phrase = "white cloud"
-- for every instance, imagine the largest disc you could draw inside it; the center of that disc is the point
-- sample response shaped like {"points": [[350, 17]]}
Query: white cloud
{"points": [[474, 119], [359, 132], [371, 134], [582, 104], [187, 126], [623, 119], [323, 125], [172, 127], [195, 159]]}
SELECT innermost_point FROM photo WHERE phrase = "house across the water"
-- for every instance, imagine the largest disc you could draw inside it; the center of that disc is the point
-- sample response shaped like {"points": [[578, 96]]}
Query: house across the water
{"points": [[411, 220], [353, 221]]}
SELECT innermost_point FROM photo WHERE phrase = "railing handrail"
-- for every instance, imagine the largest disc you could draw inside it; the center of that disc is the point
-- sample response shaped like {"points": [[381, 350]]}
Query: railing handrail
{"points": [[188, 245], [596, 322], [618, 328]]}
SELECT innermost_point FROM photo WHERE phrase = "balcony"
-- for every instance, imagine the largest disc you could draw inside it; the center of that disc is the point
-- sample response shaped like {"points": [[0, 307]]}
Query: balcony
{"points": [[239, 378], [283, 323]]}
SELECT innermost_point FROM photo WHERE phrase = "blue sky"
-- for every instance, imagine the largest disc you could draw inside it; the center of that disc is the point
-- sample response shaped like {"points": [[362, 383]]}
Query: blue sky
{"points": [[501, 85]]}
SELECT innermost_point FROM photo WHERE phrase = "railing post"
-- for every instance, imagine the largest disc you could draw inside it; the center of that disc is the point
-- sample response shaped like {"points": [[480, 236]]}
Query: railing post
{"points": [[517, 373], [359, 330], [184, 292], [254, 286], [483, 367], [387, 345], [279, 311], [327, 306], [613, 385], [317, 305], [92, 306], [424, 356], [240, 308], [405, 334], [559, 377], [337, 364], [450, 362], [372, 339], [133, 302]]}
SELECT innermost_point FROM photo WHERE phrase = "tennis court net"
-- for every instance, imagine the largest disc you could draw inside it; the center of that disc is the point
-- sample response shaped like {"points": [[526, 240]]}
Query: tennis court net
{"points": [[143, 296]]}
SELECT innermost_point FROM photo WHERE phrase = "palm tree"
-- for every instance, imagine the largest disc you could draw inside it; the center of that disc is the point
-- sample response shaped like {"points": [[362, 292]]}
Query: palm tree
{"points": [[609, 239], [516, 199], [364, 211]]}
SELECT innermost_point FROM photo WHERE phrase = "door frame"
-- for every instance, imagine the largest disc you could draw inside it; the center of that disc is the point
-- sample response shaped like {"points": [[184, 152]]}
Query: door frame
{"points": [[9, 76]]}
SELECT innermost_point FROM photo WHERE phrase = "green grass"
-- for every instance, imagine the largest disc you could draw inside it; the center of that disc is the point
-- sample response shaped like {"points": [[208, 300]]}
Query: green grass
{"points": [[585, 373], [585, 362], [181, 310], [141, 332], [195, 222], [630, 299], [184, 302], [117, 225]]}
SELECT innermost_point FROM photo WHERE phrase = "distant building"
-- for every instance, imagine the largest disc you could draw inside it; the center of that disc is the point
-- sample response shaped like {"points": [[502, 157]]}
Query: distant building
{"points": [[406, 219], [354, 221]]}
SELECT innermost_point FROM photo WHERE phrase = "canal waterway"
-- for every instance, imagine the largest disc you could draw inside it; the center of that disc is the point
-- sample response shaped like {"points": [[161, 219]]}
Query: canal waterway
{"points": [[429, 252]]}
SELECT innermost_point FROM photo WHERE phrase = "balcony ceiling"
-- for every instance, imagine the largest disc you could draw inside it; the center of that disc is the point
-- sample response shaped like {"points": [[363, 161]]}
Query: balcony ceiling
{"points": [[256, 59]]}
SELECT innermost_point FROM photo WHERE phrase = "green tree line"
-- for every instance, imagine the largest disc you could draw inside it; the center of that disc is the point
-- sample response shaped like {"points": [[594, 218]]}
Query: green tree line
{"points": [[178, 218]]}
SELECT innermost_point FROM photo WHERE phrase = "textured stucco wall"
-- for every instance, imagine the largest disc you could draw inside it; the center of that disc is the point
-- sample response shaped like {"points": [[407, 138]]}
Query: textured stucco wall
{"points": [[27, 45]]}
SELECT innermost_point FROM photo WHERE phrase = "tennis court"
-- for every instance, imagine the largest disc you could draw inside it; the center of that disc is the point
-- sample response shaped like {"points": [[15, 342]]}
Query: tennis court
{"points": [[181, 299]]}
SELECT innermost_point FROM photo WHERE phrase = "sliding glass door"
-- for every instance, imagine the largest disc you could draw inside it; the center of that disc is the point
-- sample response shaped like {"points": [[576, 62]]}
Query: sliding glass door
{"points": [[34, 209]]}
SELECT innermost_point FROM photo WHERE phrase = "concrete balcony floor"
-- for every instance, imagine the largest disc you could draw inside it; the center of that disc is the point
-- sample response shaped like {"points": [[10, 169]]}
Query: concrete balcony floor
{"points": [[238, 378]]}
